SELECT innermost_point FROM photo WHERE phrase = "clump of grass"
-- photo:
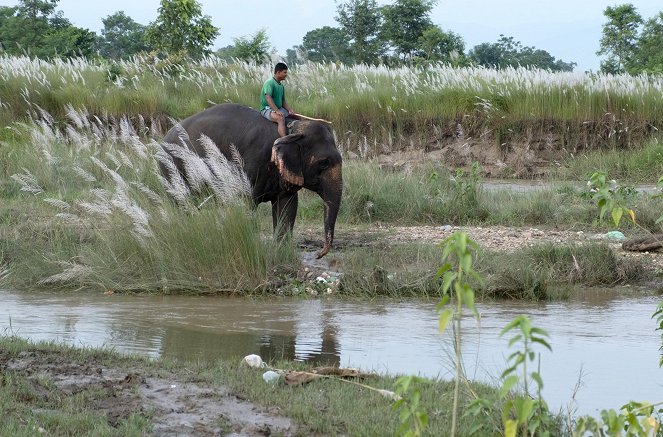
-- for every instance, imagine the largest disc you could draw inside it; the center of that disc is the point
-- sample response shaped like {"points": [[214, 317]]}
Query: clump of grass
{"points": [[542, 272], [401, 270], [634, 165]]}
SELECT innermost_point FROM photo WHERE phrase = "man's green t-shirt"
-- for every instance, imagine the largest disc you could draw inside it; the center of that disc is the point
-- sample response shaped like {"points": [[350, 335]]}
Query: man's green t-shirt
{"points": [[274, 89]]}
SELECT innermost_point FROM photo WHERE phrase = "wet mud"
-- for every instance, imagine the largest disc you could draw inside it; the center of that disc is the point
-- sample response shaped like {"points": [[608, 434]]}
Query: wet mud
{"points": [[176, 407]]}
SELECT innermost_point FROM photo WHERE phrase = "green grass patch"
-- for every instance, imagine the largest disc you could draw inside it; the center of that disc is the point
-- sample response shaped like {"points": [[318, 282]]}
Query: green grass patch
{"points": [[638, 165], [548, 271], [540, 272], [35, 400]]}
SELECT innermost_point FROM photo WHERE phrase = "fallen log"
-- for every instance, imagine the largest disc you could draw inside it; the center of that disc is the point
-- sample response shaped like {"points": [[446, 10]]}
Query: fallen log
{"points": [[648, 243]]}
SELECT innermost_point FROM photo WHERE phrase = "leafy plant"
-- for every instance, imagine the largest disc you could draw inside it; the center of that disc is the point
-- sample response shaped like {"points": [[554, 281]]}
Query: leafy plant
{"points": [[522, 410], [459, 252], [465, 185], [634, 419], [610, 197], [412, 417]]}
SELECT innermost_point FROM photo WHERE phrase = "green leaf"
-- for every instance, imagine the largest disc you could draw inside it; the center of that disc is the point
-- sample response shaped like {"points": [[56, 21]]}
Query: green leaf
{"points": [[541, 342], [443, 269], [515, 339], [442, 303], [523, 409], [444, 318], [449, 277], [508, 384], [466, 262], [510, 428], [617, 215], [539, 381]]}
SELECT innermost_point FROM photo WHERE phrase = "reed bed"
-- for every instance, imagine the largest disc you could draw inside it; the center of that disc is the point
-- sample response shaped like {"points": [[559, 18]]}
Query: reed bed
{"points": [[374, 108]]}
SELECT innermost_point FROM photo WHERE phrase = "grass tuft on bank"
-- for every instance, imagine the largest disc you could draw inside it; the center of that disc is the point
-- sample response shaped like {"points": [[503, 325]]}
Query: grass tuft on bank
{"points": [[540, 272]]}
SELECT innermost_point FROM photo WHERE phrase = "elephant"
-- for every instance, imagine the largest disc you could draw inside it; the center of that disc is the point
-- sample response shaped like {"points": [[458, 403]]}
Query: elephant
{"points": [[277, 167]]}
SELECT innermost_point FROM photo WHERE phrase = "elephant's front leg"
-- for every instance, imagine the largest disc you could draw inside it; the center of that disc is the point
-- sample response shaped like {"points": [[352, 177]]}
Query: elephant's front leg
{"points": [[284, 212]]}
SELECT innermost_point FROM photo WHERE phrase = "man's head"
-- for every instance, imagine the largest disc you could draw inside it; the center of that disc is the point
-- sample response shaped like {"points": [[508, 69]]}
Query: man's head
{"points": [[280, 71]]}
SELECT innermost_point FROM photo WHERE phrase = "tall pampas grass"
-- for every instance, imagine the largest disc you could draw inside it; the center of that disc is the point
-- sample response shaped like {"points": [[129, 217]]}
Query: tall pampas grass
{"points": [[393, 106], [114, 222]]}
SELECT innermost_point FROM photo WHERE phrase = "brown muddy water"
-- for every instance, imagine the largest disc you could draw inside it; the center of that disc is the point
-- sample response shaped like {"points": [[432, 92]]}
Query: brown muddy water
{"points": [[606, 338]]}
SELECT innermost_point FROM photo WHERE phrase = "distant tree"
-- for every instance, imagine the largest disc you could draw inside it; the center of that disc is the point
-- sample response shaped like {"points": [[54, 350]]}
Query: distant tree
{"points": [[360, 20], [33, 21], [293, 55], [327, 44], [404, 24], [487, 55], [507, 52], [121, 37], [34, 27], [256, 48], [619, 38], [531, 57], [436, 45], [181, 27], [227, 53], [649, 55], [65, 40]]}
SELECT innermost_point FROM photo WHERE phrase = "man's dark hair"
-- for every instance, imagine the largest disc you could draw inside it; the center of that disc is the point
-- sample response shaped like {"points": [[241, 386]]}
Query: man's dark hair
{"points": [[280, 67]]}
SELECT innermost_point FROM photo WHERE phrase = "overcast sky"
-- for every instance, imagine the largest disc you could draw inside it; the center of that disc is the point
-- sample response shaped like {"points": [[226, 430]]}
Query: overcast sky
{"points": [[567, 29]]}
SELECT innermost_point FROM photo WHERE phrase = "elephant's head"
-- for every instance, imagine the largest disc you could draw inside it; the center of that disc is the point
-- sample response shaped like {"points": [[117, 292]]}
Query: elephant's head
{"points": [[308, 158]]}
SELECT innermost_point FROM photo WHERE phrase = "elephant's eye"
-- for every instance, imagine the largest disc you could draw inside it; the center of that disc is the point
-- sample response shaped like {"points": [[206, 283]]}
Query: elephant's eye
{"points": [[323, 163]]}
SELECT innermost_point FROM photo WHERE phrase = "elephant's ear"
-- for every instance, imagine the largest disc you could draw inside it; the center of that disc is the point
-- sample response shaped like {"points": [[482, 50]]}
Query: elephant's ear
{"points": [[288, 159]]}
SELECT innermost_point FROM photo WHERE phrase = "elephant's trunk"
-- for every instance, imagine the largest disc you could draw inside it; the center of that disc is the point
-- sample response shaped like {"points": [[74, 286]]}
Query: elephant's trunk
{"points": [[331, 191]]}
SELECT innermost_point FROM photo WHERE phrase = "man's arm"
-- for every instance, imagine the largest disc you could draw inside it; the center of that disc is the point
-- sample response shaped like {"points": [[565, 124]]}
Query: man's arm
{"points": [[287, 107], [272, 105]]}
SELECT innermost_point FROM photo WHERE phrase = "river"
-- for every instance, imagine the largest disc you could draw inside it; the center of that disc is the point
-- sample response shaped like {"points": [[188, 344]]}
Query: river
{"points": [[605, 335]]}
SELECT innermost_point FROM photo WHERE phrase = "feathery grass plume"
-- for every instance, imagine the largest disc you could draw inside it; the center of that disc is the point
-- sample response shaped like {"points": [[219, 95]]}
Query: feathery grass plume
{"points": [[114, 160], [154, 197], [139, 217], [113, 174], [127, 131], [79, 120], [99, 209], [83, 174], [72, 219], [125, 159], [195, 170], [28, 182], [138, 147], [78, 139], [58, 203], [102, 194], [229, 181], [50, 159], [71, 272], [174, 185]]}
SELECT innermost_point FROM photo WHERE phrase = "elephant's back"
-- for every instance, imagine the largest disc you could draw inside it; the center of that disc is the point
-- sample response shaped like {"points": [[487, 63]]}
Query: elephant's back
{"points": [[223, 122]]}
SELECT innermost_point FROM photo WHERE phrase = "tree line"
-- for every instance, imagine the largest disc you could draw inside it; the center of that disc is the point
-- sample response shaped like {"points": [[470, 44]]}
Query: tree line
{"points": [[366, 33]]}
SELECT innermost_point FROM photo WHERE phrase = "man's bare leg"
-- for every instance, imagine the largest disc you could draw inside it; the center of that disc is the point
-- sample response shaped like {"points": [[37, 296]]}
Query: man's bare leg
{"points": [[280, 121]]}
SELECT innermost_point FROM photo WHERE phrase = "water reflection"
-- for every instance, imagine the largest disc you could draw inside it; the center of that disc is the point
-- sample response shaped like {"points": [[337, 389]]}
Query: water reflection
{"points": [[608, 334]]}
